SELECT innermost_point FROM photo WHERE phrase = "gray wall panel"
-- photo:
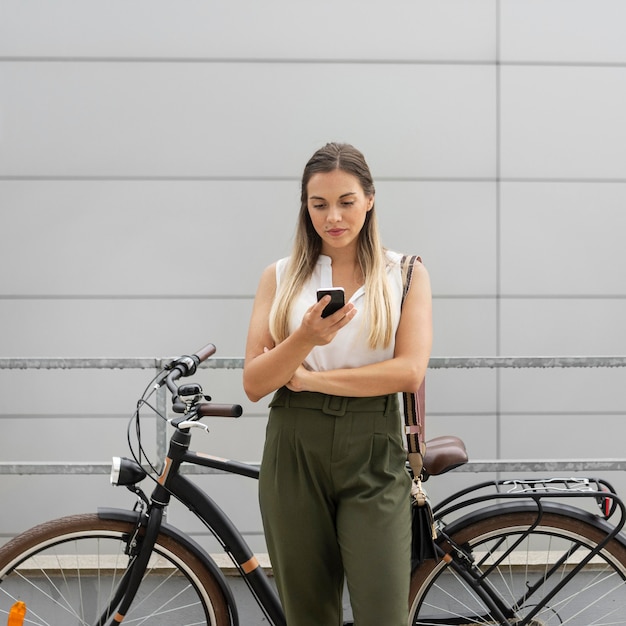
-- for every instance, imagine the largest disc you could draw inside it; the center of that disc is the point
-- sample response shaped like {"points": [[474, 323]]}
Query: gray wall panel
{"points": [[129, 131], [450, 224], [567, 391], [42, 498], [73, 393], [464, 327], [571, 327], [134, 238], [416, 29], [122, 327], [563, 122], [58, 439], [202, 237], [535, 436], [575, 31], [222, 120], [459, 392], [563, 239]]}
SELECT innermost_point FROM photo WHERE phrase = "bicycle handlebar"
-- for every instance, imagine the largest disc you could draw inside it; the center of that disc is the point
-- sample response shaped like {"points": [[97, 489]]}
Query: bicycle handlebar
{"points": [[207, 409], [205, 352], [186, 366]]}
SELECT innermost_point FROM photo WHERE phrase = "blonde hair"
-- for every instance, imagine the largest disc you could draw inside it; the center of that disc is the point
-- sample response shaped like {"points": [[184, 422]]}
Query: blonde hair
{"points": [[308, 245]]}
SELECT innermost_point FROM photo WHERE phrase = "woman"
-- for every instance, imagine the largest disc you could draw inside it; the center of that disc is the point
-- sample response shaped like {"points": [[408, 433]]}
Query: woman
{"points": [[334, 490]]}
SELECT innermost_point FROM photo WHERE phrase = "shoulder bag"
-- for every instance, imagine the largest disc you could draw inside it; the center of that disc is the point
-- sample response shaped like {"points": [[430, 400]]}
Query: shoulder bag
{"points": [[422, 521]]}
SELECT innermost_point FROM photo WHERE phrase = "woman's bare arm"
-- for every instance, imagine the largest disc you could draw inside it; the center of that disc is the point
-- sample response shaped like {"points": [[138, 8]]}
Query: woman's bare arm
{"points": [[268, 366], [404, 372]]}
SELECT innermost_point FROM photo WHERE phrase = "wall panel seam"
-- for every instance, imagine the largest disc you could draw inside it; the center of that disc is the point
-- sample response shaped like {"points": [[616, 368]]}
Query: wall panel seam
{"points": [[309, 61], [245, 297], [290, 179]]}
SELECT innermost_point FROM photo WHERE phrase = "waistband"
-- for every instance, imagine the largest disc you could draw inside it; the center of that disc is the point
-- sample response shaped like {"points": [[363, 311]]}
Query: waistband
{"points": [[335, 405]]}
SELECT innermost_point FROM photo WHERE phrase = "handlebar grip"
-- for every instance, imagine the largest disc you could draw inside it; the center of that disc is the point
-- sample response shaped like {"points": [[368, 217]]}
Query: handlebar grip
{"points": [[205, 352], [207, 409]]}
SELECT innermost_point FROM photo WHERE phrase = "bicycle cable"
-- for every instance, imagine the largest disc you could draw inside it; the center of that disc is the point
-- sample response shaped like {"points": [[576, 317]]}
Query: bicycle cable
{"points": [[140, 454]]}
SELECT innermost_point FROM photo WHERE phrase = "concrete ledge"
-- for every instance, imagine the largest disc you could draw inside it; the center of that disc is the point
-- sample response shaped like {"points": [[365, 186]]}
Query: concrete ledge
{"points": [[88, 564]]}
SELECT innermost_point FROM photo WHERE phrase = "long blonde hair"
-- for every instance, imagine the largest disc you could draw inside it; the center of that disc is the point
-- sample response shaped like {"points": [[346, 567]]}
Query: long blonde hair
{"points": [[308, 245]]}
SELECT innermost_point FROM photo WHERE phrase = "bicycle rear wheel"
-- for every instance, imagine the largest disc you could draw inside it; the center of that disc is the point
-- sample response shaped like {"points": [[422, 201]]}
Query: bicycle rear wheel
{"points": [[68, 570], [523, 578]]}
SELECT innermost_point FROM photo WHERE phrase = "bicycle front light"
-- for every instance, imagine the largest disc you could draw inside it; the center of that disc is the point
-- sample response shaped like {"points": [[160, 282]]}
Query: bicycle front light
{"points": [[126, 472]]}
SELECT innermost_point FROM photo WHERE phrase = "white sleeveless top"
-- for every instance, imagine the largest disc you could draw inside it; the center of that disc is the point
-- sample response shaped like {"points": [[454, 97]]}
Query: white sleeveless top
{"points": [[350, 346]]}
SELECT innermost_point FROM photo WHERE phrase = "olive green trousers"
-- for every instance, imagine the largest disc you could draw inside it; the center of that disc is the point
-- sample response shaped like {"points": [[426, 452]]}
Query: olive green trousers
{"points": [[334, 494]]}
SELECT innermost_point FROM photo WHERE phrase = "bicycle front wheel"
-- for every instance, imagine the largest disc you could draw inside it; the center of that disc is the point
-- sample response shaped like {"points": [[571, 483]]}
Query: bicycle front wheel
{"points": [[522, 571], [68, 571]]}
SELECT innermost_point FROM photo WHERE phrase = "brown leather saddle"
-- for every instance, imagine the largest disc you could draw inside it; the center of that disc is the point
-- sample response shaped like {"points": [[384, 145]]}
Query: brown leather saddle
{"points": [[442, 455]]}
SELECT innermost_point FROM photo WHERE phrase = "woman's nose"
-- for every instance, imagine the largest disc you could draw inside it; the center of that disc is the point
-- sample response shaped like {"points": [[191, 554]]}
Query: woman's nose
{"points": [[334, 214]]}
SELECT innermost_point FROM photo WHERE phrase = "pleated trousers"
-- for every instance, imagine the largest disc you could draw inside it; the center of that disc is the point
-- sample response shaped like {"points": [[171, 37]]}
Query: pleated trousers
{"points": [[334, 494]]}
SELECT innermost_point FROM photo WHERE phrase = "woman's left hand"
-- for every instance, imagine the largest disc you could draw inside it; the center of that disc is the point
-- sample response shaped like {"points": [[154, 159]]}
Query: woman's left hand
{"points": [[299, 380]]}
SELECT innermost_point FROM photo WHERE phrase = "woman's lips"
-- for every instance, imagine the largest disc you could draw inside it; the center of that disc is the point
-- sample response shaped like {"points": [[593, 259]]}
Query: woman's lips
{"points": [[336, 232]]}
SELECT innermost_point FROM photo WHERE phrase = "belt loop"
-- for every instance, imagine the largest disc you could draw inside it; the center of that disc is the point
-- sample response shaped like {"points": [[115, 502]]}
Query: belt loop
{"points": [[287, 394], [335, 405], [388, 403]]}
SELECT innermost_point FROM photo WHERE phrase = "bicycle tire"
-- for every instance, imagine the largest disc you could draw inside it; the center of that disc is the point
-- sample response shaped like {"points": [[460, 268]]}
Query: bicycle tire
{"points": [[596, 595], [66, 571]]}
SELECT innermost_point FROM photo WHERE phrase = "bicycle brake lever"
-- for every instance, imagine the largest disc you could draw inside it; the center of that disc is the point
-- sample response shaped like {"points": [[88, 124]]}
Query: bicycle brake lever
{"points": [[159, 381], [189, 424]]}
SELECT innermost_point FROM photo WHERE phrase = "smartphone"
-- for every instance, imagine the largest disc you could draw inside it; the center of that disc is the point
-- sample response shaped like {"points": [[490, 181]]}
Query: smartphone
{"points": [[337, 299]]}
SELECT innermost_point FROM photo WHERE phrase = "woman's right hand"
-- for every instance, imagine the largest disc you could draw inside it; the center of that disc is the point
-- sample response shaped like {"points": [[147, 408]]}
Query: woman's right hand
{"points": [[266, 370], [320, 330]]}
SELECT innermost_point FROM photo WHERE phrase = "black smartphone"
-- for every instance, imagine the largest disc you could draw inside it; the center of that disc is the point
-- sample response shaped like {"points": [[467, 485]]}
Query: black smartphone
{"points": [[337, 299]]}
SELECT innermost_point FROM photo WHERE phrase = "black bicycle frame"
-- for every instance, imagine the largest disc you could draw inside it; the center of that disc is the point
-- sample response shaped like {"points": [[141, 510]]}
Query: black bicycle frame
{"points": [[173, 483], [225, 531]]}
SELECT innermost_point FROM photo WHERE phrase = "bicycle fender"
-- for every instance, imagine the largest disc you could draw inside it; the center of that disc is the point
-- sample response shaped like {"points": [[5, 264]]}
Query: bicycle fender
{"points": [[525, 506], [125, 515]]}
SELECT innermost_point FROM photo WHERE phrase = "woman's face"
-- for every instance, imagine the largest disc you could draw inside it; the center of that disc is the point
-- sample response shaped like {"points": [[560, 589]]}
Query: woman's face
{"points": [[337, 206]]}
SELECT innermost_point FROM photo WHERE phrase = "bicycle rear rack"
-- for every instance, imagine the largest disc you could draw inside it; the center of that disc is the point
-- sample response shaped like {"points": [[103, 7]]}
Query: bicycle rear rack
{"points": [[537, 496], [536, 489]]}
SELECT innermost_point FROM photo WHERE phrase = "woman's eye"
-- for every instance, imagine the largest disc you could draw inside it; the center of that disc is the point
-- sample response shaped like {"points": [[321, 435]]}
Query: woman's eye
{"points": [[349, 203]]}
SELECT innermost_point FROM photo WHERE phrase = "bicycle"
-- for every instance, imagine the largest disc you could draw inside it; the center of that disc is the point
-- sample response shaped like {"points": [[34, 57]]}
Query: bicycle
{"points": [[509, 552]]}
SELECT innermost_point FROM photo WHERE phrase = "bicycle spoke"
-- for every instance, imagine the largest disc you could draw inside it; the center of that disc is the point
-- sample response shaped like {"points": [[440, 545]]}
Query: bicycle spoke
{"points": [[467, 609], [549, 578], [74, 571]]}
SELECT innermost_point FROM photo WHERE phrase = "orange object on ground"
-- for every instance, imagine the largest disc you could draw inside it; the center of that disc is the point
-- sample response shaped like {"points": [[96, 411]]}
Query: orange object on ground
{"points": [[16, 614]]}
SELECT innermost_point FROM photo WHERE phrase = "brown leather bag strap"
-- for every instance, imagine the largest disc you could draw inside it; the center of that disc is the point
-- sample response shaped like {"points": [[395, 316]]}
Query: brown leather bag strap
{"points": [[414, 403]]}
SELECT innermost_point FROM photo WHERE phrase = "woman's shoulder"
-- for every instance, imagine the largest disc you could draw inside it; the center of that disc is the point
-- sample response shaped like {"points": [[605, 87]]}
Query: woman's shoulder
{"points": [[268, 277], [397, 259], [280, 267], [393, 259], [393, 255], [405, 267]]}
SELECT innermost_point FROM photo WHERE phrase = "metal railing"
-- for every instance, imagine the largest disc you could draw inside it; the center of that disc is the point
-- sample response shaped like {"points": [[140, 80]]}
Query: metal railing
{"points": [[476, 466]]}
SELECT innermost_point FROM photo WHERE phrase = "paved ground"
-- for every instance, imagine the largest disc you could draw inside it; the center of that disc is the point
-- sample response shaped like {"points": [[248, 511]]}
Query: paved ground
{"points": [[249, 612]]}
